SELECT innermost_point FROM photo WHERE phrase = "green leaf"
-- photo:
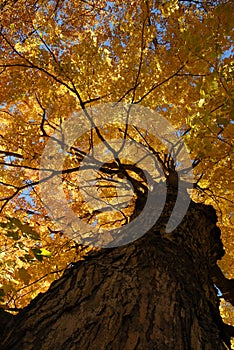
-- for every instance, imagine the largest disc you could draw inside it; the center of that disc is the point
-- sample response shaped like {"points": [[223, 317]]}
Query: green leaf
{"points": [[8, 288], [3, 224], [2, 293], [28, 257], [13, 234], [37, 254], [24, 275], [45, 252], [7, 225], [25, 228]]}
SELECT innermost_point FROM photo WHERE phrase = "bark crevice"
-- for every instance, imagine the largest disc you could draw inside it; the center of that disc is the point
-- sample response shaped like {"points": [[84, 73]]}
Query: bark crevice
{"points": [[154, 293]]}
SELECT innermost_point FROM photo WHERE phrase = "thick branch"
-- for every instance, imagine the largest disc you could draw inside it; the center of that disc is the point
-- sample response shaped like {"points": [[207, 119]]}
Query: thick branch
{"points": [[224, 284]]}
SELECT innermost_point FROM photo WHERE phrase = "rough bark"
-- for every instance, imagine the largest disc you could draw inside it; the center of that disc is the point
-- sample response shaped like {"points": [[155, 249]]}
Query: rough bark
{"points": [[155, 293]]}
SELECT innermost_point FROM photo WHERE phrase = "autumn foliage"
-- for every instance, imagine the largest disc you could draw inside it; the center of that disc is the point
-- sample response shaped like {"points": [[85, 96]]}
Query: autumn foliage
{"points": [[58, 57]]}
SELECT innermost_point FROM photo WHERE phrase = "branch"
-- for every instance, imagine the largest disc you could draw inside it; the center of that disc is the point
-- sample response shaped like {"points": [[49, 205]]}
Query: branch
{"points": [[32, 65], [11, 154], [159, 84], [19, 189], [141, 59], [128, 91], [225, 285], [43, 117]]}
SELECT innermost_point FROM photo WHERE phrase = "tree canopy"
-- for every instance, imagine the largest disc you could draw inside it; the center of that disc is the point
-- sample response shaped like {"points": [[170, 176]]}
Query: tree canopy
{"points": [[59, 57]]}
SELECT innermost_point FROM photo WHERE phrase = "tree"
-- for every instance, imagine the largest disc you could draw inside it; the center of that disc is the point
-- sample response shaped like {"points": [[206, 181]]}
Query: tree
{"points": [[61, 59]]}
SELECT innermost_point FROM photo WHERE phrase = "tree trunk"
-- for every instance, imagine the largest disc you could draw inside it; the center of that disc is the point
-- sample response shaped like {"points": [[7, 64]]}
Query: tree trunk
{"points": [[155, 293]]}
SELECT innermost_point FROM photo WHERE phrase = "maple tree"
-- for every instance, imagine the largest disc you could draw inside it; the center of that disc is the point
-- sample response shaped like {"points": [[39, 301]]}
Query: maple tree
{"points": [[59, 57]]}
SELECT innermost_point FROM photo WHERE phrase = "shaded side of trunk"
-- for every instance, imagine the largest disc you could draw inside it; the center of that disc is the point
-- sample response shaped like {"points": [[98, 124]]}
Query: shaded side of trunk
{"points": [[155, 293]]}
